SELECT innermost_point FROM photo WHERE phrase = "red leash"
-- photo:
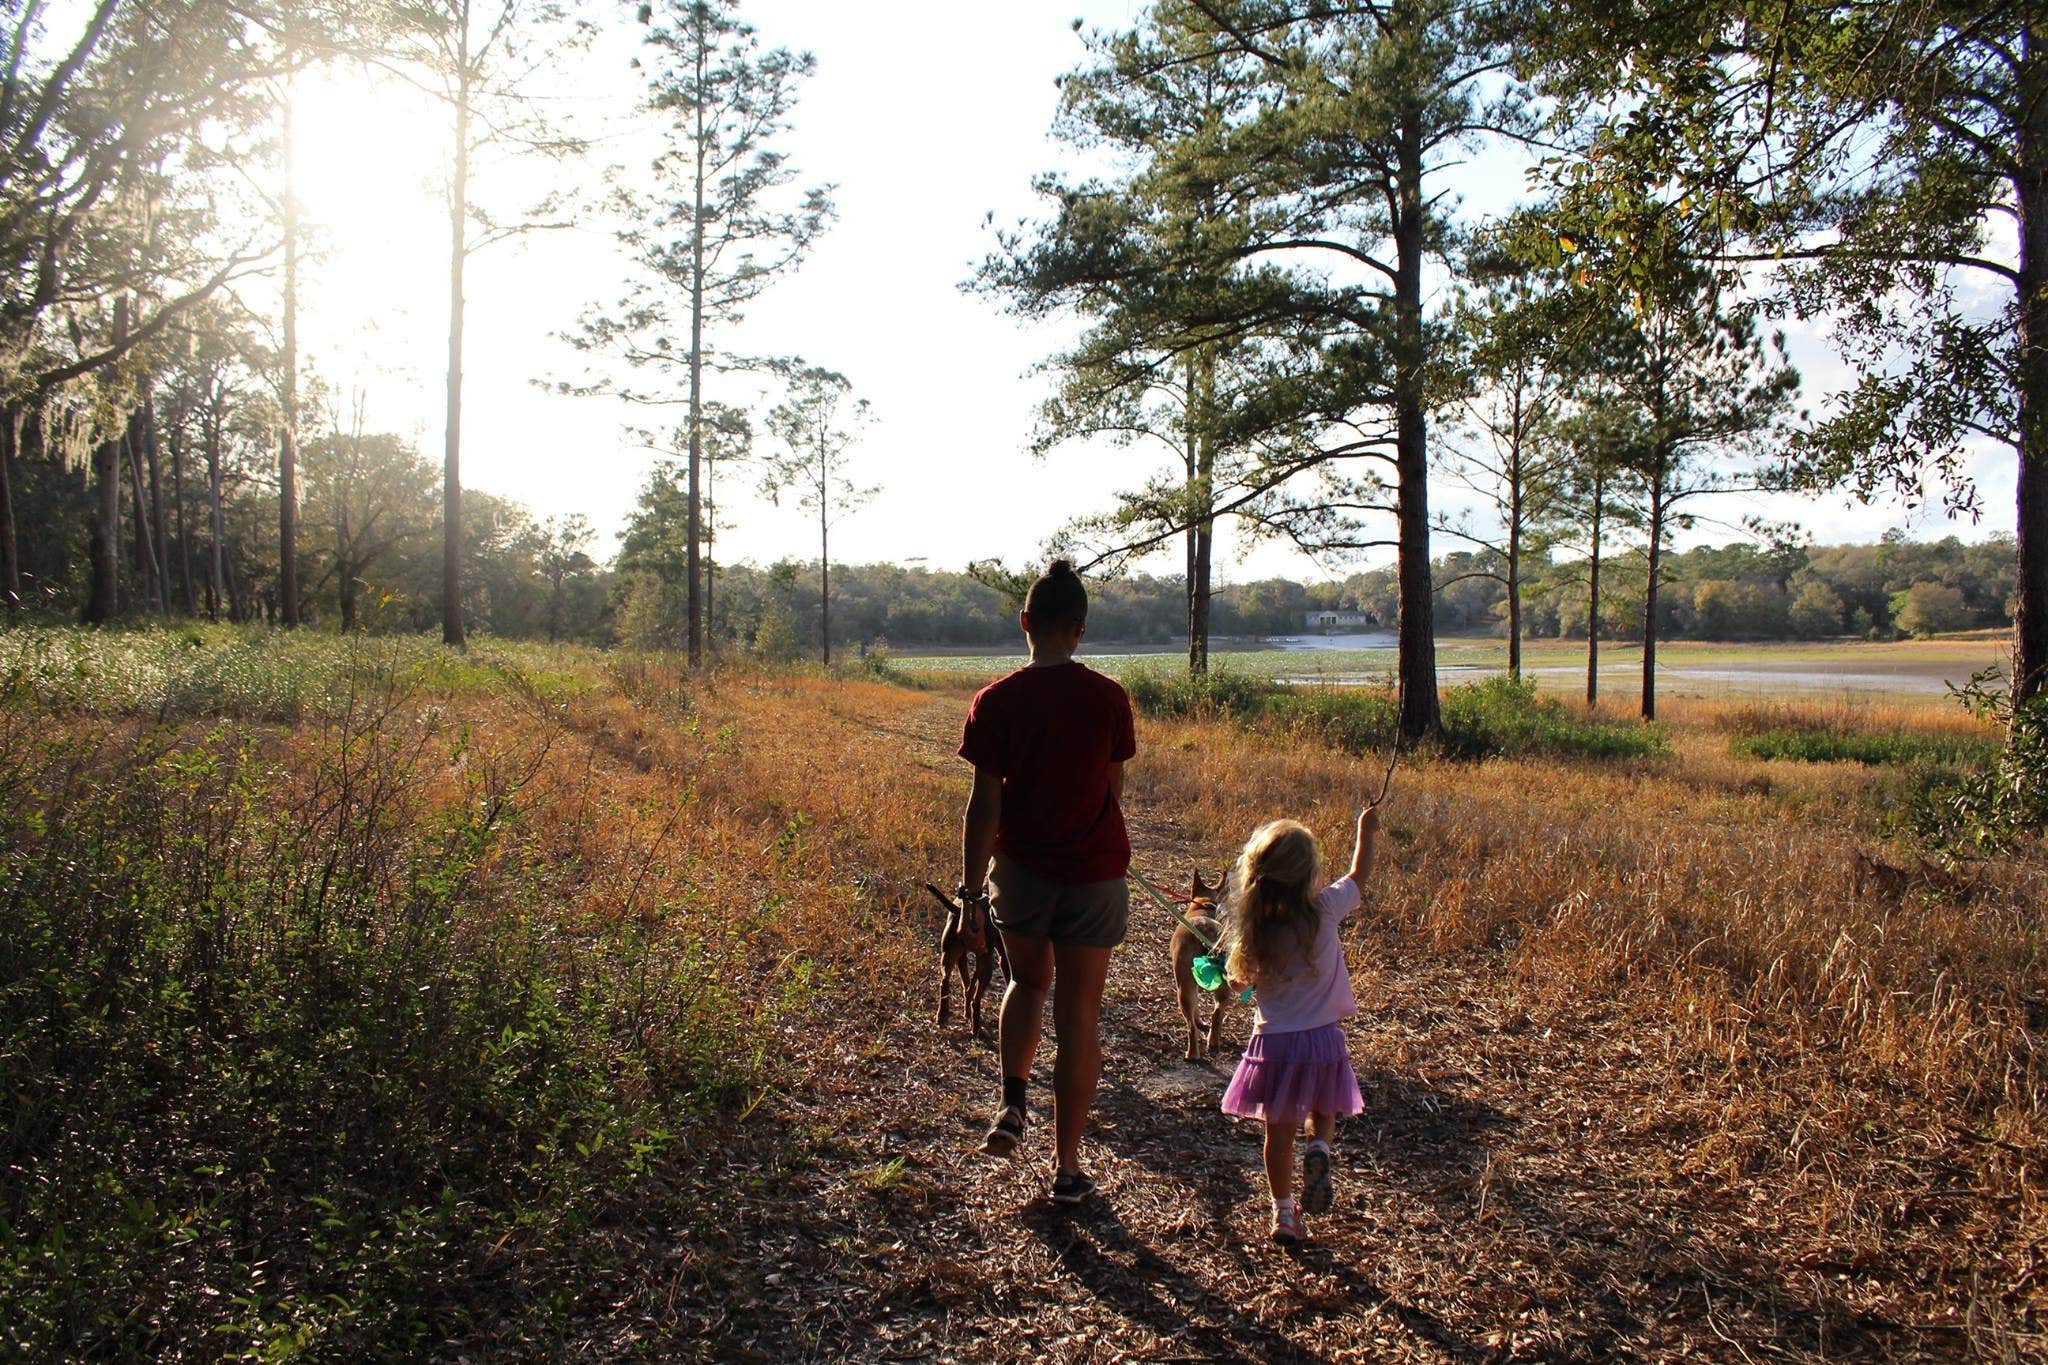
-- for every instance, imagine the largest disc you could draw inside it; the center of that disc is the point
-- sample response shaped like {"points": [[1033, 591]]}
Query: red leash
{"points": [[1159, 890]]}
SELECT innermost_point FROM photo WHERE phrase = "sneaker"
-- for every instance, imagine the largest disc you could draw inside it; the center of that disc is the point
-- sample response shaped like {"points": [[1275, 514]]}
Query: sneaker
{"points": [[1288, 1230], [1317, 1192], [1071, 1187], [1006, 1133]]}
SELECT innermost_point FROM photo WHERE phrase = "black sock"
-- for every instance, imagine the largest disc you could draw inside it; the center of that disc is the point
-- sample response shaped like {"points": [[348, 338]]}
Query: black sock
{"points": [[1013, 1092]]}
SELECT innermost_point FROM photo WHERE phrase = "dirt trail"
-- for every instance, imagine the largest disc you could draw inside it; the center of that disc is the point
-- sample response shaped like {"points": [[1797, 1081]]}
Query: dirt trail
{"points": [[1519, 1188]]}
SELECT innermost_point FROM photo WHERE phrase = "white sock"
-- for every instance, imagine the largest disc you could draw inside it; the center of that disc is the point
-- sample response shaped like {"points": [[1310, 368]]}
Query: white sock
{"points": [[1283, 1207], [1319, 1144]]}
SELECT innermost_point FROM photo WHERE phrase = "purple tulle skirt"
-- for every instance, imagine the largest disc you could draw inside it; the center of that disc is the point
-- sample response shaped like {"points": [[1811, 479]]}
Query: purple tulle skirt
{"points": [[1285, 1077]]}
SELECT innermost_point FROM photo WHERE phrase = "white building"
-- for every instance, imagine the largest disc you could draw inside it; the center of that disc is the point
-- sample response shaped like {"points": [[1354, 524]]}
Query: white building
{"points": [[1330, 622]]}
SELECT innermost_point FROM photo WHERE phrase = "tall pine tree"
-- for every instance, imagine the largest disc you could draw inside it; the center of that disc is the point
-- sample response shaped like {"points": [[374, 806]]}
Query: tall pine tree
{"points": [[708, 225]]}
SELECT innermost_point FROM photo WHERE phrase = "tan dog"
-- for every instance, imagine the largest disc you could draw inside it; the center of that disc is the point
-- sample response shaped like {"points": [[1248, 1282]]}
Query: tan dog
{"points": [[1185, 948], [970, 945]]}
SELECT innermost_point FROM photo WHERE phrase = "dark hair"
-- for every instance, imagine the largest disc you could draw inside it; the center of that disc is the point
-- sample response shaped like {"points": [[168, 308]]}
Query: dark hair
{"points": [[1057, 598]]}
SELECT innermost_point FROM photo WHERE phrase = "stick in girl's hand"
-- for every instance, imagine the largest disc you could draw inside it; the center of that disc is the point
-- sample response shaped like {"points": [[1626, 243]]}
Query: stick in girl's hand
{"points": [[1387, 778]]}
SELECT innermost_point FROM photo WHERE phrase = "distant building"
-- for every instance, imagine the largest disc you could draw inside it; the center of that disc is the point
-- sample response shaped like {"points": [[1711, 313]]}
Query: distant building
{"points": [[1330, 622]]}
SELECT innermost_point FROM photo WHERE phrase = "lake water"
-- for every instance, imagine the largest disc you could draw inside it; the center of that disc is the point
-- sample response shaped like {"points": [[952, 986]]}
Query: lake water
{"points": [[1378, 639], [1313, 664], [1679, 676]]}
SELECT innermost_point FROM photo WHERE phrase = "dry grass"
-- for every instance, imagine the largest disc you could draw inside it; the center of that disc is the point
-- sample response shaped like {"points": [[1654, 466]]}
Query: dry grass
{"points": [[1842, 715], [749, 803], [1682, 874], [1838, 1089], [1870, 1059], [1648, 1073], [1715, 1099]]}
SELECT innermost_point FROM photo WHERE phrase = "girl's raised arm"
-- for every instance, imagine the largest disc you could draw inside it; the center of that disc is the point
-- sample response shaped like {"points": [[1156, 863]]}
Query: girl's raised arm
{"points": [[1362, 850]]}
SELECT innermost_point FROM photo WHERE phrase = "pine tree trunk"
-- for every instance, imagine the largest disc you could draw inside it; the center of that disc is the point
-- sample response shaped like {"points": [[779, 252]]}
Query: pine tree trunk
{"points": [[693, 551], [159, 528], [710, 547], [1593, 595], [177, 444], [1515, 584], [145, 548], [1417, 636], [1515, 538], [216, 578], [346, 568], [288, 434], [103, 597], [1201, 394], [11, 419], [1657, 514], [238, 603], [1190, 458], [451, 457], [2030, 615], [824, 550]]}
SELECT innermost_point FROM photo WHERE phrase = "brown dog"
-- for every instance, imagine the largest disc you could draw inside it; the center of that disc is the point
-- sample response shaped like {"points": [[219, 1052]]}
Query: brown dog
{"points": [[1185, 948], [968, 935]]}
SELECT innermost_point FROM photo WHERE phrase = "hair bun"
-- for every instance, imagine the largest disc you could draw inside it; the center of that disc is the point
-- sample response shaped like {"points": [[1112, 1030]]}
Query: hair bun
{"points": [[1057, 596]]}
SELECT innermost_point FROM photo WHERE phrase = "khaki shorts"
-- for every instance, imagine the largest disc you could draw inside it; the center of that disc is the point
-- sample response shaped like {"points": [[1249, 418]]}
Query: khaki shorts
{"points": [[1076, 914]]}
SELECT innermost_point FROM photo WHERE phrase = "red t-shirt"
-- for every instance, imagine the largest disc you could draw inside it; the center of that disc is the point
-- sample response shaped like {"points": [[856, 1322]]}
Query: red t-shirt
{"points": [[1052, 735]]}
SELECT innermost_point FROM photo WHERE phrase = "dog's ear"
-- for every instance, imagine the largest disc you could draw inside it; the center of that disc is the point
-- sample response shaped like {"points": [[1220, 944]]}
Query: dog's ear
{"points": [[1201, 890]]}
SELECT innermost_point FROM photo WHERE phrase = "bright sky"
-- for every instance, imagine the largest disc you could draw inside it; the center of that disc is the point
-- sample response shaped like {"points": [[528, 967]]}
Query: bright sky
{"points": [[927, 121]]}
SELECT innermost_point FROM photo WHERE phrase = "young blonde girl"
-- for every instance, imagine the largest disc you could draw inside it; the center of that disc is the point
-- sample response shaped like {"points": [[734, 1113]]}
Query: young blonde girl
{"points": [[1296, 1066]]}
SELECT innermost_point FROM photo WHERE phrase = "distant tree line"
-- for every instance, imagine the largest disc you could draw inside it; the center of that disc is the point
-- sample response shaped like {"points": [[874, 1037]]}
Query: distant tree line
{"points": [[368, 552], [1736, 592], [369, 557]]}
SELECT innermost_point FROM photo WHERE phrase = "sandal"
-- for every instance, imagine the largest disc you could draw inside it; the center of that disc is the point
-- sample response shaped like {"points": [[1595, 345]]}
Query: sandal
{"points": [[1071, 1187], [1006, 1133]]}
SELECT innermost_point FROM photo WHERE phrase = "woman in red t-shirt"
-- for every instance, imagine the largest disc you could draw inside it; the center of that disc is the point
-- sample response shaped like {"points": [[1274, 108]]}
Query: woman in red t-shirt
{"points": [[1048, 744]]}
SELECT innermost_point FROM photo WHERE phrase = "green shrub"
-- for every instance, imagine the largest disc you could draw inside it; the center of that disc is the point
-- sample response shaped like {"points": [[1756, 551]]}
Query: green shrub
{"points": [[1505, 716], [1217, 694], [1828, 746], [2002, 804], [255, 674], [290, 1050], [874, 663], [1500, 716], [1349, 718]]}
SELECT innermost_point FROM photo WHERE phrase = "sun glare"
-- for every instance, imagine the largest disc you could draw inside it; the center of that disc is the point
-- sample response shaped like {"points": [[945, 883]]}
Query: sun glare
{"points": [[371, 185], [372, 170]]}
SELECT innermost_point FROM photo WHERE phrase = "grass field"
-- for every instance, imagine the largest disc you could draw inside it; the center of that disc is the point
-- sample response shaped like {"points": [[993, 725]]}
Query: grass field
{"points": [[533, 1003]]}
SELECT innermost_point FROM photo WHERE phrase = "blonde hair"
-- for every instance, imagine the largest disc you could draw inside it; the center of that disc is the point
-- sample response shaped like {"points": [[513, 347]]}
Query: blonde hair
{"points": [[1274, 919]]}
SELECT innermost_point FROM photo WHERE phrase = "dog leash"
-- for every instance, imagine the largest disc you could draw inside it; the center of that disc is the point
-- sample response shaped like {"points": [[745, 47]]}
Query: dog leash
{"points": [[1160, 897], [1248, 994]]}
